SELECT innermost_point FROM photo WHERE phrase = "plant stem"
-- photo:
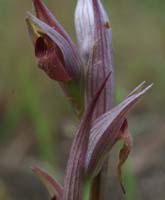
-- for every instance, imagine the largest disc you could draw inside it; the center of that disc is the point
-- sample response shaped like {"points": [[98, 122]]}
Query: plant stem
{"points": [[99, 186], [95, 188]]}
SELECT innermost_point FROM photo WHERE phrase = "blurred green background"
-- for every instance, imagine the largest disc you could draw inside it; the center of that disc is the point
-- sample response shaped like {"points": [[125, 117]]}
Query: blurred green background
{"points": [[36, 121]]}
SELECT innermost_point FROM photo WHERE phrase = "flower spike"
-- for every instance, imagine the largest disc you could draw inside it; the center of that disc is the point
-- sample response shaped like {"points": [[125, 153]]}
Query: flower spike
{"points": [[102, 124]]}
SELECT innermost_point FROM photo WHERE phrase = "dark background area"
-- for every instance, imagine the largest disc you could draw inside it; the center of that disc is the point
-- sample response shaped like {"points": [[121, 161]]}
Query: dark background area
{"points": [[36, 121]]}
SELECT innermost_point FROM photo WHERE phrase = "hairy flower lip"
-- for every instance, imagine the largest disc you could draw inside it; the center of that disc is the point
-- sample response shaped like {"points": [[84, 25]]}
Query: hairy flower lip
{"points": [[40, 47], [44, 44]]}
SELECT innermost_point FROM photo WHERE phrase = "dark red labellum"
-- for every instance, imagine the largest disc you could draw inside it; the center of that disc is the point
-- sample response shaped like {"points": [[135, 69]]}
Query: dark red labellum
{"points": [[40, 47], [50, 58]]}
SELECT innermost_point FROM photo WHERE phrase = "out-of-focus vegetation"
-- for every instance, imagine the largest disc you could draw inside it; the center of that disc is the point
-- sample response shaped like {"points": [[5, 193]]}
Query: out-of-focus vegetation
{"points": [[35, 118]]}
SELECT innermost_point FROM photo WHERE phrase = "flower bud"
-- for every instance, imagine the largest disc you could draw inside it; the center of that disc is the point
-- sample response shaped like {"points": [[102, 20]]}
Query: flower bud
{"points": [[84, 24], [94, 37]]}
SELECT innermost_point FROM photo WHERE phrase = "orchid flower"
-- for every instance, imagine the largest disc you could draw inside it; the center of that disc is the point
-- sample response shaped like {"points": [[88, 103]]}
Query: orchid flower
{"points": [[102, 124], [55, 52]]}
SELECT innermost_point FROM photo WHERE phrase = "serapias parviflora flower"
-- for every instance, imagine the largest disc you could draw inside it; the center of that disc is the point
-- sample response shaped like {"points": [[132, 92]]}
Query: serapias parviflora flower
{"points": [[55, 52]]}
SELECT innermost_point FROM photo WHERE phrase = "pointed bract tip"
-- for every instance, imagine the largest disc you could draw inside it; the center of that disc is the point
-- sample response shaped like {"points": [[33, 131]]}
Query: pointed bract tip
{"points": [[147, 88], [138, 88], [54, 188]]}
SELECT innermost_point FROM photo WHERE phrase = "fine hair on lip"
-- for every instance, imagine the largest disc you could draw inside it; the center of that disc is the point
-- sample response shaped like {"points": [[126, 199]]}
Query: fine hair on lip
{"points": [[40, 47]]}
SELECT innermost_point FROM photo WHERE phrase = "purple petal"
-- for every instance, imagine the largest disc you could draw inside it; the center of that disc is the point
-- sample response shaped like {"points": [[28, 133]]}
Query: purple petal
{"points": [[105, 132], [75, 167], [55, 189]]}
